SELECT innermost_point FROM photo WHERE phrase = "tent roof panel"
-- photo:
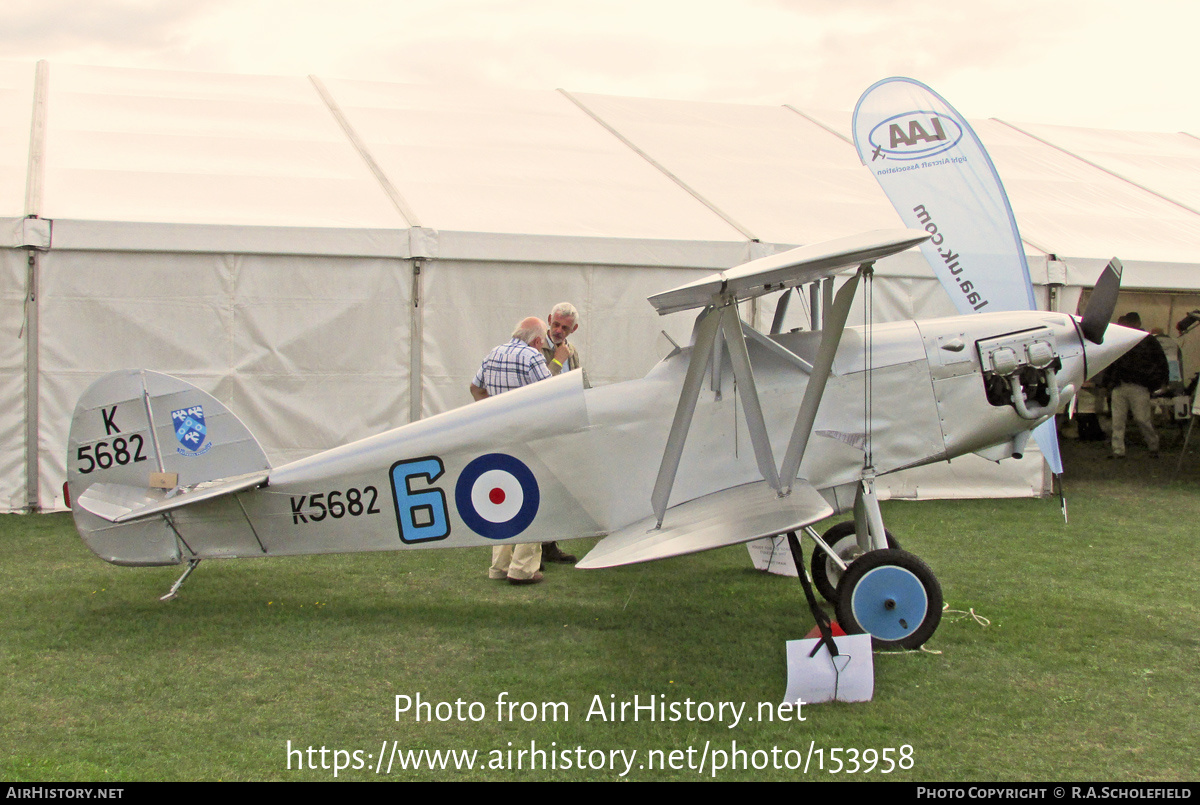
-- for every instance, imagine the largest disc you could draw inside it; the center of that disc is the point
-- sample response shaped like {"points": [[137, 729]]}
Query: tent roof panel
{"points": [[137, 145], [1069, 208], [1168, 164], [157, 159], [16, 115], [778, 174], [517, 161]]}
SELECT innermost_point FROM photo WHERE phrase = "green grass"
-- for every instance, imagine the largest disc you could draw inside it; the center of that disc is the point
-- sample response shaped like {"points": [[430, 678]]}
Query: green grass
{"points": [[1087, 671]]}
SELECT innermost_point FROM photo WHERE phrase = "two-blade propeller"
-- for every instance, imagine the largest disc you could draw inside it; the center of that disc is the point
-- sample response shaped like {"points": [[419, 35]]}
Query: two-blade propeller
{"points": [[1102, 303]]}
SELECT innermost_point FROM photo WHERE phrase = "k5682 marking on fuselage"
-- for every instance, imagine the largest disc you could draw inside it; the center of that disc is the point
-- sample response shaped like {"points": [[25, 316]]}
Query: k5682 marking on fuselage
{"points": [[353, 502]]}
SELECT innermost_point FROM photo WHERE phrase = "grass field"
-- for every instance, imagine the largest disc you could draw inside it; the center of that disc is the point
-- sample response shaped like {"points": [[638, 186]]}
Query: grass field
{"points": [[1087, 671]]}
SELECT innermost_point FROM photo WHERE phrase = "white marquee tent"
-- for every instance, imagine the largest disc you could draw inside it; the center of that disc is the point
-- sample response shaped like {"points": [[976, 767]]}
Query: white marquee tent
{"points": [[332, 258]]}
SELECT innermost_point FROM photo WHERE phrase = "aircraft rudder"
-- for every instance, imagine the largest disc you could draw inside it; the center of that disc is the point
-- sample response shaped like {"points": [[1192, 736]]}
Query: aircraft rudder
{"points": [[140, 436]]}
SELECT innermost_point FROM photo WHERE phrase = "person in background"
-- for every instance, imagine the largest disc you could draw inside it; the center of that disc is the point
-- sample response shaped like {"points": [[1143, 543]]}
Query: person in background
{"points": [[510, 366], [561, 357], [1132, 378]]}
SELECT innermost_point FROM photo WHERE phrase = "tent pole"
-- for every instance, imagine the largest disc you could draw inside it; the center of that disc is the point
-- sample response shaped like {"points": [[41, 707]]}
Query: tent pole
{"points": [[416, 345], [32, 480], [35, 172]]}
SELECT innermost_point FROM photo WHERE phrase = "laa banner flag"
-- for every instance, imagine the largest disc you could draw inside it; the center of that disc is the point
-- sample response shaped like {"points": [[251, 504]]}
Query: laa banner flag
{"points": [[939, 177]]}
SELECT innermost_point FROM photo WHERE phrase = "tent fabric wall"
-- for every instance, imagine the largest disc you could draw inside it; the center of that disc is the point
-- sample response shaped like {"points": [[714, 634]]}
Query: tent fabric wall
{"points": [[13, 347], [1165, 164], [309, 353], [332, 257], [471, 307]]}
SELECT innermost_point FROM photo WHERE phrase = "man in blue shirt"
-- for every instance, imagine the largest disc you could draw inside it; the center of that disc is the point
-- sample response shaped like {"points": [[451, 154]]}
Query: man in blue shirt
{"points": [[511, 366], [515, 364]]}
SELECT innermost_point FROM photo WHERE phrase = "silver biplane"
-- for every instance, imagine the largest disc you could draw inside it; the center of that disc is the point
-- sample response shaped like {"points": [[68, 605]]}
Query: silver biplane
{"points": [[162, 473]]}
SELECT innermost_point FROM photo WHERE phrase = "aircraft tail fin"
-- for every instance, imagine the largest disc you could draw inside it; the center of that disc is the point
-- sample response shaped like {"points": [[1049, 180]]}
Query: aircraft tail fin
{"points": [[142, 444]]}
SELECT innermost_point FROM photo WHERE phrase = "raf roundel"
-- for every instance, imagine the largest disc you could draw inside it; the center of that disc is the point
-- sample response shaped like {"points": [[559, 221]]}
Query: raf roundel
{"points": [[497, 496]]}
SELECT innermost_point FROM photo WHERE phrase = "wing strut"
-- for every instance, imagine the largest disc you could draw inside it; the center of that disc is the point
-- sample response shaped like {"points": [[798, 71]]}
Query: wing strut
{"points": [[735, 339], [723, 321], [706, 335], [835, 323], [719, 295]]}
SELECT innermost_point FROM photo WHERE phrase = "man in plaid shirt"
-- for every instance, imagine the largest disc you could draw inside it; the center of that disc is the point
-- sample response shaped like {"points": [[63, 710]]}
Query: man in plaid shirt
{"points": [[507, 367], [515, 364]]}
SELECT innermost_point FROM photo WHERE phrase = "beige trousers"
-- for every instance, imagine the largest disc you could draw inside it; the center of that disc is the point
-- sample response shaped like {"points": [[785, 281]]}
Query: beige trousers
{"points": [[1135, 399], [515, 561]]}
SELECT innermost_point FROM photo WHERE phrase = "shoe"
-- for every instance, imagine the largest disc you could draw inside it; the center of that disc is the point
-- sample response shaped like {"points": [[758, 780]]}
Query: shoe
{"points": [[1116, 455], [534, 579], [551, 553], [1153, 454]]}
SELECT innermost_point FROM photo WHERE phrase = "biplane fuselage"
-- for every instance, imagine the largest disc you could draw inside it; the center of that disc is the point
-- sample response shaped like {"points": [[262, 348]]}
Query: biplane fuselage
{"points": [[554, 460], [739, 436]]}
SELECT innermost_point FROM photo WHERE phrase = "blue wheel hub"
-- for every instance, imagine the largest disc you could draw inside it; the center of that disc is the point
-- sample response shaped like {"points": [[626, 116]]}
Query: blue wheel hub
{"points": [[889, 602]]}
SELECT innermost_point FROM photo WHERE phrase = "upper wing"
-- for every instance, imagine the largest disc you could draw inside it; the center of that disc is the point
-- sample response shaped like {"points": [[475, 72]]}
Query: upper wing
{"points": [[788, 269]]}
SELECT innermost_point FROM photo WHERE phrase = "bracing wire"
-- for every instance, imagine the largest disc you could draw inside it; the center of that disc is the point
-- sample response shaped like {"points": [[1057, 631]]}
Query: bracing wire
{"points": [[868, 375]]}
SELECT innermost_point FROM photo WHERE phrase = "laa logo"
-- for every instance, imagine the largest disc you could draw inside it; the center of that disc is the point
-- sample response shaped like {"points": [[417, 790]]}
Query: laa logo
{"points": [[190, 430], [914, 135]]}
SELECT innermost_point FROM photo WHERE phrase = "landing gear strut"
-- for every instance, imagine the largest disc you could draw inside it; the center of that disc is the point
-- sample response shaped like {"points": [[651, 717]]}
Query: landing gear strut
{"points": [[843, 541], [875, 587]]}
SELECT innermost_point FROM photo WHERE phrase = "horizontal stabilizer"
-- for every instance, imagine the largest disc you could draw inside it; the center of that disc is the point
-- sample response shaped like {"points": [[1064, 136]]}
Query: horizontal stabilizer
{"points": [[788, 269], [728, 517], [121, 503]]}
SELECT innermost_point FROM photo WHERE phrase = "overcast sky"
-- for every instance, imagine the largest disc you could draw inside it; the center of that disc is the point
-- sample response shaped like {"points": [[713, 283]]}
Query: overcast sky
{"points": [[1098, 63]]}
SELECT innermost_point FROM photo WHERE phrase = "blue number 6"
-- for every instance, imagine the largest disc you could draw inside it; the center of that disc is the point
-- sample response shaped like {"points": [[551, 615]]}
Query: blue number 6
{"points": [[421, 515]]}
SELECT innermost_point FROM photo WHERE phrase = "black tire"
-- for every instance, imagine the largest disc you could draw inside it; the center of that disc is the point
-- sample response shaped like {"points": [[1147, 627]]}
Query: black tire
{"points": [[841, 537], [891, 595]]}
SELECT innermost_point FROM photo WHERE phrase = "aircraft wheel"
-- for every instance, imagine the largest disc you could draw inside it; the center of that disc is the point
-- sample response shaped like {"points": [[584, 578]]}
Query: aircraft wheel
{"points": [[842, 538], [892, 596]]}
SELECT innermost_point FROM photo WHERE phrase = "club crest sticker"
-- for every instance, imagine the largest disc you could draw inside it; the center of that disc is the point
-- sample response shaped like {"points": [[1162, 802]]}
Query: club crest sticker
{"points": [[190, 431], [497, 496]]}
